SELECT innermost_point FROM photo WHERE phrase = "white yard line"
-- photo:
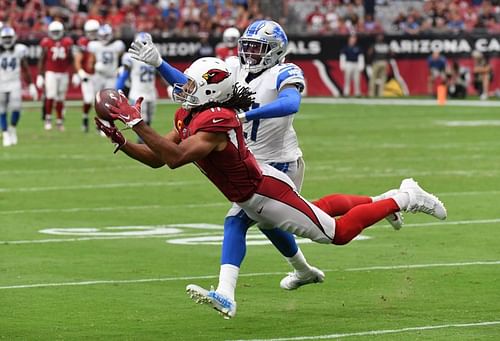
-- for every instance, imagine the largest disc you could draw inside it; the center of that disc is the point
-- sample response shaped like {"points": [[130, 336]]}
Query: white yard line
{"points": [[257, 274], [380, 332]]}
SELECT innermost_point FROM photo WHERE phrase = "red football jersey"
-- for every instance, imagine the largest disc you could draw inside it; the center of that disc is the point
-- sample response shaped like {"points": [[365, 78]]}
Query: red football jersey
{"points": [[58, 54], [234, 170], [224, 52], [82, 44]]}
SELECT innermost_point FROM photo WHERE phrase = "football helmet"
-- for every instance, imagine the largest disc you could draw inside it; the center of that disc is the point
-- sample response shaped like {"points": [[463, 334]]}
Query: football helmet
{"points": [[262, 45], [105, 33], [143, 37], [230, 36], [7, 37], [209, 80], [90, 28], [56, 30]]}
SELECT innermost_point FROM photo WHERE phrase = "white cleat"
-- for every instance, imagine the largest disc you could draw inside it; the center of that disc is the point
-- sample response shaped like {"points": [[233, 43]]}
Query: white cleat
{"points": [[224, 305], [6, 140], [395, 219], [13, 135], [294, 281], [48, 125], [421, 201]]}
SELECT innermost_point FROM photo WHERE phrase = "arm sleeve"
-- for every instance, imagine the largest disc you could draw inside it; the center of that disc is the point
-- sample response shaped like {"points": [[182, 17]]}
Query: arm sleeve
{"points": [[287, 103], [171, 74], [122, 78]]}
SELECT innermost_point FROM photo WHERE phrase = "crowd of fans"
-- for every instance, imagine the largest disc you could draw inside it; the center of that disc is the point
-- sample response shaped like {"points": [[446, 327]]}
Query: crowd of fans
{"points": [[184, 18]]}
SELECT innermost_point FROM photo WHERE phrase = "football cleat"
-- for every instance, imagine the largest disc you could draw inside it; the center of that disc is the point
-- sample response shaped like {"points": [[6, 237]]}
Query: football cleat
{"points": [[6, 140], [395, 219], [294, 281], [224, 305], [13, 135], [48, 124], [421, 201]]}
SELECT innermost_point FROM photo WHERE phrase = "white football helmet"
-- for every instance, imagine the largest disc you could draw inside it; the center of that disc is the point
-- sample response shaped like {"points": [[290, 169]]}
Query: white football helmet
{"points": [[90, 28], [230, 36], [209, 80], [7, 37], [143, 37], [56, 30], [105, 33], [262, 45]]}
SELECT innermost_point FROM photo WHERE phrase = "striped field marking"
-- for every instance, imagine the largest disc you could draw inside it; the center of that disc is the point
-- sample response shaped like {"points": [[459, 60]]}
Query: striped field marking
{"points": [[79, 239], [379, 332], [169, 279]]}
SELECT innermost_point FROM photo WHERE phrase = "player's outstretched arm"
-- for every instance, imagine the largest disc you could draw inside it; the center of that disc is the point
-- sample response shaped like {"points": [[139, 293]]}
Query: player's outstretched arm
{"points": [[146, 51]]}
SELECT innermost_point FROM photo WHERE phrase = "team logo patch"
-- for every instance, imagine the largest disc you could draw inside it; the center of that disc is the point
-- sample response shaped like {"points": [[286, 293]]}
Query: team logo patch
{"points": [[214, 76]]}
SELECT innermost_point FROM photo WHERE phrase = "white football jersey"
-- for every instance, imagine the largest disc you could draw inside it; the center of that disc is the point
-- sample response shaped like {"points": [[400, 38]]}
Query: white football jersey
{"points": [[142, 79], [270, 139], [107, 56], [10, 67]]}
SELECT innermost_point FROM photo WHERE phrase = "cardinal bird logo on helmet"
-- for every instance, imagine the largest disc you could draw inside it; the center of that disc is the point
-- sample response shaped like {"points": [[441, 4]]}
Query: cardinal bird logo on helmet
{"points": [[214, 76]]}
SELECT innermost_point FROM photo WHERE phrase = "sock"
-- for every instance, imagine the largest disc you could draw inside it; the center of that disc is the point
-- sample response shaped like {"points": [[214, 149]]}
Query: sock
{"points": [[60, 110], [339, 204], [360, 217], [49, 103], [234, 244], [298, 262], [15, 118], [228, 276], [3, 121], [282, 240], [86, 108], [85, 121], [402, 199]]}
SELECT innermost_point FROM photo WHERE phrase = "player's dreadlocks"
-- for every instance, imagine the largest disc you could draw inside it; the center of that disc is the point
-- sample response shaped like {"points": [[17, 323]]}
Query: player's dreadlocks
{"points": [[241, 100]]}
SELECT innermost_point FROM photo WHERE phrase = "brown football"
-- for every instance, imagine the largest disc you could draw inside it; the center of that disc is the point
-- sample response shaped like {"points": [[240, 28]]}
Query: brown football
{"points": [[103, 97]]}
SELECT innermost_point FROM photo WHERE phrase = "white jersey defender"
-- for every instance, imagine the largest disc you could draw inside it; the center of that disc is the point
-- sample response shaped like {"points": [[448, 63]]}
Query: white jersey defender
{"points": [[142, 79], [10, 68], [270, 139]]}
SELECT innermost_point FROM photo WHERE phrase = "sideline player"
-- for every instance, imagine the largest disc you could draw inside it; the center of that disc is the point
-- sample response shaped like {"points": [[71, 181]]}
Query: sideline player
{"points": [[229, 46], [105, 58], [270, 136], [53, 71], [84, 70], [142, 81], [208, 133], [12, 63]]}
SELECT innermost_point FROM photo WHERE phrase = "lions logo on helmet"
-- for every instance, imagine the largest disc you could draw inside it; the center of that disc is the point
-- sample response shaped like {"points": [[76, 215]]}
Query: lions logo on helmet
{"points": [[262, 46]]}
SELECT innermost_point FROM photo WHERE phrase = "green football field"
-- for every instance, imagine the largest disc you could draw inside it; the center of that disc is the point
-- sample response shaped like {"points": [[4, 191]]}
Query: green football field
{"points": [[95, 246]]}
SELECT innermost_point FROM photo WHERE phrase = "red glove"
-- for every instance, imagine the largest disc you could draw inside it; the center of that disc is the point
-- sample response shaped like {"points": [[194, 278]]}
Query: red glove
{"points": [[112, 132], [128, 114]]}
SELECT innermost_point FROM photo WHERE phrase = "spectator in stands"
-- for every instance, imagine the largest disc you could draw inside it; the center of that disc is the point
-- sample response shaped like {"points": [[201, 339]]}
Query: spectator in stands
{"points": [[482, 74], [352, 63], [457, 79], [379, 54], [315, 21], [437, 68]]}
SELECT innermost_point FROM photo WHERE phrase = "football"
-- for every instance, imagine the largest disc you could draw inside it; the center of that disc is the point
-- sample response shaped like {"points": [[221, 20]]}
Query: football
{"points": [[103, 97]]}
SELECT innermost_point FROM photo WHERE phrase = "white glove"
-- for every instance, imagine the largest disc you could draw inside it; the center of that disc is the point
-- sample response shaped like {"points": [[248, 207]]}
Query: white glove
{"points": [[100, 67], [39, 82], [83, 75], [75, 80], [33, 91], [145, 51]]}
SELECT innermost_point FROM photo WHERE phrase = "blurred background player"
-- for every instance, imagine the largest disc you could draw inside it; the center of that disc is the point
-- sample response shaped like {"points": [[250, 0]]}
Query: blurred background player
{"points": [[84, 71], [142, 78], [54, 67], [229, 46], [105, 58], [12, 63]]}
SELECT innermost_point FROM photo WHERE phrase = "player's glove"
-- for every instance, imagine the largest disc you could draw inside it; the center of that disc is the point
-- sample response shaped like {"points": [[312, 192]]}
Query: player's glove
{"points": [[111, 132], [83, 75], [128, 114], [75, 80], [39, 81], [145, 51], [33, 91]]}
